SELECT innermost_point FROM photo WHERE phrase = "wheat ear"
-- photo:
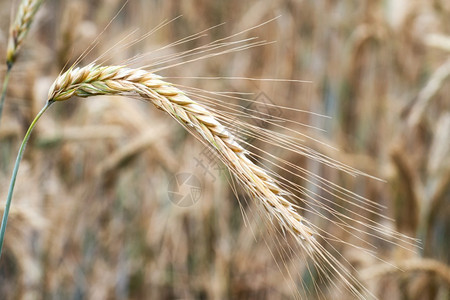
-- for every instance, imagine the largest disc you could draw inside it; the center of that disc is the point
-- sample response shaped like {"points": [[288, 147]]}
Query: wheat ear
{"points": [[19, 29], [18, 32], [119, 80]]}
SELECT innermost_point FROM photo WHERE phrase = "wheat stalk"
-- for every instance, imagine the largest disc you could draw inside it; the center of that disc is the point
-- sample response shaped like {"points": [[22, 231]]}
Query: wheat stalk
{"points": [[119, 80]]}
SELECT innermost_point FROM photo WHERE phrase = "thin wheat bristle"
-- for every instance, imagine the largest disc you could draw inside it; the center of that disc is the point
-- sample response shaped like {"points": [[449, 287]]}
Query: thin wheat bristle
{"points": [[19, 29]]}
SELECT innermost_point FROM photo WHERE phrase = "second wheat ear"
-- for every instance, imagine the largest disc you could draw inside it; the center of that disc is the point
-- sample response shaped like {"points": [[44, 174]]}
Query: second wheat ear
{"points": [[20, 28], [18, 32]]}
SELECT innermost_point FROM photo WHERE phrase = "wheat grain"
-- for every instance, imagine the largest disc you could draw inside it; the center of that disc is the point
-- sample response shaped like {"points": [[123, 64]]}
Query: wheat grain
{"points": [[119, 80], [19, 30]]}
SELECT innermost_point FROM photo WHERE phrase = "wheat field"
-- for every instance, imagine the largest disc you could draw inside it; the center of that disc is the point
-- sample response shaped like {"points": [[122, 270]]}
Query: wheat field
{"points": [[115, 200]]}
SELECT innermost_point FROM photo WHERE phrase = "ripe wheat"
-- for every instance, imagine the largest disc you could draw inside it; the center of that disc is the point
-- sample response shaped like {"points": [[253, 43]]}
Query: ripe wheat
{"points": [[213, 128], [119, 80], [116, 80]]}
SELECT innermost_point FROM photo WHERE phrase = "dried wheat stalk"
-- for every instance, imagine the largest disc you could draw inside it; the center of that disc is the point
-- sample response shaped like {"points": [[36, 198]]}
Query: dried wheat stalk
{"points": [[118, 80], [19, 29]]}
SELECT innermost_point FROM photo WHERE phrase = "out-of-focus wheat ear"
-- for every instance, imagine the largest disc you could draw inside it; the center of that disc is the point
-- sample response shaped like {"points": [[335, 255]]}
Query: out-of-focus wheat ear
{"points": [[17, 34], [19, 29]]}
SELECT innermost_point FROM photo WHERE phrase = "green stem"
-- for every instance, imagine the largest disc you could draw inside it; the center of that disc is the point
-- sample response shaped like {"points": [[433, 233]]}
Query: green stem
{"points": [[16, 169], [5, 86]]}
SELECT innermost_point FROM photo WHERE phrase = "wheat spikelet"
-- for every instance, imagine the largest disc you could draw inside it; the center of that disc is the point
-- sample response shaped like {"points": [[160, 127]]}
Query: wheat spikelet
{"points": [[19, 30], [119, 80]]}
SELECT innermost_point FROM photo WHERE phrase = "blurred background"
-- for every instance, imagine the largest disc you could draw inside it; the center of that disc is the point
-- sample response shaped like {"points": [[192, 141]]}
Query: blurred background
{"points": [[100, 209]]}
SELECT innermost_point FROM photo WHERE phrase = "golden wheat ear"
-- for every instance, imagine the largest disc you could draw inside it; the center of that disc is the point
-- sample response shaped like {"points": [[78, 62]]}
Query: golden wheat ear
{"points": [[198, 119], [18, 32], [116, 80]]}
